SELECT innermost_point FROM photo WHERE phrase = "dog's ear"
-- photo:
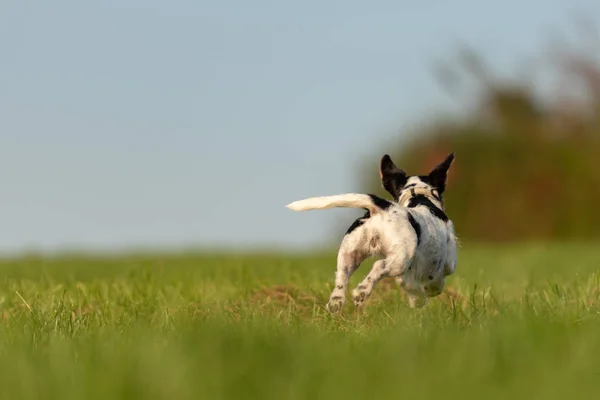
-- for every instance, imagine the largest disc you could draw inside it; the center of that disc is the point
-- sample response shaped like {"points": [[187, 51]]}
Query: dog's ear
{"points": [[438, 175], [392, 177]]}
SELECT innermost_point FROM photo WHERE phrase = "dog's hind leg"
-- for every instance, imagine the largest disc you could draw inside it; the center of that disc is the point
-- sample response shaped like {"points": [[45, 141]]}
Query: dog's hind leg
{"points": [[347, 263], [394, 266], [364, 289]]}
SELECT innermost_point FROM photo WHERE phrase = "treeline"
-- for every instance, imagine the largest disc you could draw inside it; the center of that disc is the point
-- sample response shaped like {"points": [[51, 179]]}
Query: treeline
{"points": [[528, 165]]}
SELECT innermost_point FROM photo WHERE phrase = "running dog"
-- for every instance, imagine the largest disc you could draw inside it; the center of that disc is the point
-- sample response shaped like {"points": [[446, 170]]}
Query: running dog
{"points": [[412, 236]]}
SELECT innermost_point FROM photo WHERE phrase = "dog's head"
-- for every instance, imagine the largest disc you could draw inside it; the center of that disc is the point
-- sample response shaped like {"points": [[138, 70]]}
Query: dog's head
{"points": [[395, 180]]}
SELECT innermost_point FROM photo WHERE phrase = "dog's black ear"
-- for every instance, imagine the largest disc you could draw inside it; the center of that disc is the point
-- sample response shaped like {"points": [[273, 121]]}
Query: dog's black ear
{"points": [[438, 175], [393, 178]]}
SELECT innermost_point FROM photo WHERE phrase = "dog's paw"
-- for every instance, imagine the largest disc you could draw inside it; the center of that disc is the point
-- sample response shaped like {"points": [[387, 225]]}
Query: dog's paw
{"points": [[417, 301], [335, 304], [358, 296]]}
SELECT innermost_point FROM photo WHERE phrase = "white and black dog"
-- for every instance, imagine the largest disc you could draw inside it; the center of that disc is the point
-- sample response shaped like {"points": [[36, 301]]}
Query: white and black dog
{"points": [[412, 235]]}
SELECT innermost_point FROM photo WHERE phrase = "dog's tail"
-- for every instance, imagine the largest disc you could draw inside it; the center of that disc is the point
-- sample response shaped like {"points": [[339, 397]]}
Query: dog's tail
{"points": [[351, 200]]}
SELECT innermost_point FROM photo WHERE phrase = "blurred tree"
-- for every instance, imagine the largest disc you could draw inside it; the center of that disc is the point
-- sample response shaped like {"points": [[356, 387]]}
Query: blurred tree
{"points": [[525, 168]]}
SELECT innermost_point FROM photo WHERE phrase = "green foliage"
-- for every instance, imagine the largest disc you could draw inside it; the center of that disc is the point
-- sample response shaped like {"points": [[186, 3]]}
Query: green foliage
{"points": [[525, 169], [519, 322]]}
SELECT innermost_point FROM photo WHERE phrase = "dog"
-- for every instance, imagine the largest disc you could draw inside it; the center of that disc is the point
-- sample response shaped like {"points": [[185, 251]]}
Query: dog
{"points": [[412, 236]]}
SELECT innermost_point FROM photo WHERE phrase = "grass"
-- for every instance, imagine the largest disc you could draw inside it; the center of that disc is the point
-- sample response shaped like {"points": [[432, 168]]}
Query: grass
{"points": [[519, 322]]}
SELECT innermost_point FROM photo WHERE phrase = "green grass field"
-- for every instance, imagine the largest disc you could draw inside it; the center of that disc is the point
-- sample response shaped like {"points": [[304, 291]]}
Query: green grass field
{"points": [[516, 322]]}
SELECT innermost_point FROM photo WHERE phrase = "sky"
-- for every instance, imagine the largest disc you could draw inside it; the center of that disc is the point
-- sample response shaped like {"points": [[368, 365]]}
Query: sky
{"points": [[165, 124]]}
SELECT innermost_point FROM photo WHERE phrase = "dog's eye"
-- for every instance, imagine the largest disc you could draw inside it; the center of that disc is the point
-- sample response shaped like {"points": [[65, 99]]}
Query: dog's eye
{"points": [[430, 277]]}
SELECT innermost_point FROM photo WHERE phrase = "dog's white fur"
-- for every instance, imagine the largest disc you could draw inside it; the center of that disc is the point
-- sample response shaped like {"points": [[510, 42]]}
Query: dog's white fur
{"points": [[350, 200], [419, 261]]}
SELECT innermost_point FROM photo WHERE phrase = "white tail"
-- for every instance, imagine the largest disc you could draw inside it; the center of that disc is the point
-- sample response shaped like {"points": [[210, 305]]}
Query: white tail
{"points": [[350, 200]]}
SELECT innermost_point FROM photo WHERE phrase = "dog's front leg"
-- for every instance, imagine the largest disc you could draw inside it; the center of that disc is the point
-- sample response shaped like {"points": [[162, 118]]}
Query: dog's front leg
{"points": [[417, 301]]}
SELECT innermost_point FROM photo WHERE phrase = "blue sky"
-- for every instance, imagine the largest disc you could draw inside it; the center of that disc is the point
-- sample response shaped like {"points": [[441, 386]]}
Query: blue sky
{"points": [[154, 123]]}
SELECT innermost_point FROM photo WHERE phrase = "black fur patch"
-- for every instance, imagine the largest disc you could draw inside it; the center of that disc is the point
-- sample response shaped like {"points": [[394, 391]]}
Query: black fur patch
{"points": [[379, 202], [359, 222], [441, 188], [416, 227], [426, 179], [420, 200]]}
